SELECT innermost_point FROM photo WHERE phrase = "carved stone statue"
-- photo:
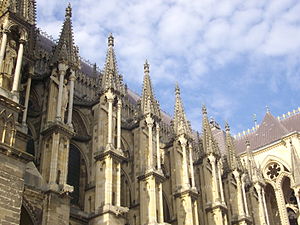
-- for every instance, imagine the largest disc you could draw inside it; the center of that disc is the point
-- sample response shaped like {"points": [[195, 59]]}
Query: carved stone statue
{"points": [[65, 99], [10, 58], [8, 65]]}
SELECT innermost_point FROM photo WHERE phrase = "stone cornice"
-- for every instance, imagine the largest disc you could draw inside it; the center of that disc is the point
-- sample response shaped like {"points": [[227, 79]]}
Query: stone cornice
{"points": [[15, 153], [152, 172], [54, 127], [113, 153]]}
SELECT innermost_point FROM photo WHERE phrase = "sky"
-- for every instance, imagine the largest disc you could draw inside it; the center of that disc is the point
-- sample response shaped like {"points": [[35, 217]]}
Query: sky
{"points": [[234, 56]]}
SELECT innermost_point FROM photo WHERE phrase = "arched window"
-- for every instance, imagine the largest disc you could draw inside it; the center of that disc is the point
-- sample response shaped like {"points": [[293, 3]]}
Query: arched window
{"points": [[76, 176], [30, 144], [290, 200], [272, 206], [125, 191]]}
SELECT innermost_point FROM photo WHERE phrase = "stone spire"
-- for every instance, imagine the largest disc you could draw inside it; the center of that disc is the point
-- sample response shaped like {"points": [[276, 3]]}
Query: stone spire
{"points": [[149, 105], [231, 154], [295, 162], [181, 124], [111, 78], [65, 51], [209, 143], [254, 171]]}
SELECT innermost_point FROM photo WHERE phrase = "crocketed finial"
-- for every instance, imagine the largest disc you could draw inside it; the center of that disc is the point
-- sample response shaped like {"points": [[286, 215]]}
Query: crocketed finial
{"points": [[204, 111], [177, 89], [146, 67], [69, 11], [110, 40], [227, 128]]}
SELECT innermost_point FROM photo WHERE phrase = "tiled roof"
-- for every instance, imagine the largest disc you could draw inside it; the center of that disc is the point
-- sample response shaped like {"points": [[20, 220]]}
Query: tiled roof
{"points": [[269, 131]]}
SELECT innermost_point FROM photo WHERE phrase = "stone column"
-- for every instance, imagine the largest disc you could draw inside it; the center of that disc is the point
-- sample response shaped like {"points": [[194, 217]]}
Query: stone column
{"points": [[195, 209], [192, 166], [110, 99], [220, 183], [260, 204], [149, 122], [62, 71], [281, 205], [119, 124], [157, 147], [27, 94], [3, 47], [239, 193], [265, 206], [53, 160], [160, 206], [152, 201], [186, 182], [108, 180], [18, 66], [215, 190], [4, 132], [244, 195], [71, 96], [118, 194]]}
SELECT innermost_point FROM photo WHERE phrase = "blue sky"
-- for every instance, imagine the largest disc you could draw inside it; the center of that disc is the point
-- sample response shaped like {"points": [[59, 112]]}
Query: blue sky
{"points": [[235, 56]]}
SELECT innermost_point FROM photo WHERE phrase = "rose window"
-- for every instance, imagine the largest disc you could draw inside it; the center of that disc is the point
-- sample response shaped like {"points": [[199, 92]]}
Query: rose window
{"points": [[273, 170]]}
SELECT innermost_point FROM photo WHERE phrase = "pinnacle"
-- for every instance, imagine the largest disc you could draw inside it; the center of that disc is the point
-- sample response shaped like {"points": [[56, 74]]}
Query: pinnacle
{"points": [[69, 11], [181, 125], [177, 89], [148, 104], [295, 164], [146, 67], [111, 78], [227, 127], [204, 111], [110, 40], [66, 51]]}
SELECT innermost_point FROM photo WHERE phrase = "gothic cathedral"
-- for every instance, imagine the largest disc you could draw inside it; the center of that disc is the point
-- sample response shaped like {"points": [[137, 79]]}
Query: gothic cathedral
{"points": [[77, 147]]}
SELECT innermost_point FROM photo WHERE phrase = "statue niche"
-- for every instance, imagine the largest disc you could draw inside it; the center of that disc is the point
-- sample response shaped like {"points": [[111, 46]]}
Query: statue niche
{"points": [[8, 65], [65, 99]]}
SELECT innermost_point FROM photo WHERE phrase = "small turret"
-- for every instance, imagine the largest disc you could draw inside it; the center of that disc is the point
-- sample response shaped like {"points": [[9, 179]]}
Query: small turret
{"points": [[111, 78], [181, 124], [149, 105], [65, 51], [231, 154], [209, 144], [295, 162]]}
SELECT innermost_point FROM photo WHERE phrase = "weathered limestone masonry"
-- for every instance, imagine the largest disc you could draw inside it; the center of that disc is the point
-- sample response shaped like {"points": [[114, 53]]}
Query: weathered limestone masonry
{"points": [[108, 209], [12, 162], [151, 176], [77, 147]]}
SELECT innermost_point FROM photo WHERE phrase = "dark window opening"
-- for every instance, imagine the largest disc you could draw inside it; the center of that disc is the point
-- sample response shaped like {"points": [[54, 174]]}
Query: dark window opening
{"points": [[74, 173]]}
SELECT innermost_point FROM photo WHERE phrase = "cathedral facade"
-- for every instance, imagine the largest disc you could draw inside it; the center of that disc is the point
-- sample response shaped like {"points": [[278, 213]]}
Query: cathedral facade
{"points": [[78, 147]]}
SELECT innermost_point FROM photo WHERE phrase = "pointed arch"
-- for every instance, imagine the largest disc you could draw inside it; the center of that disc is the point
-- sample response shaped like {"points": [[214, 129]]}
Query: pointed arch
{"points": [[166, 209], [77, 175], [126, 189], [272, 158], [80, 123]]}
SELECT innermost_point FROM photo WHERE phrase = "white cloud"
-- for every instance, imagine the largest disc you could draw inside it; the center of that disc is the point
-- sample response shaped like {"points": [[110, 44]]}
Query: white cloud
{"points": [[188, 41]]}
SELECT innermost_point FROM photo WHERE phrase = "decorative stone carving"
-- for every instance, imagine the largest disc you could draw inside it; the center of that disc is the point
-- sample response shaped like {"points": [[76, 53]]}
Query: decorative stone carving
{"points": [[273, 170]]}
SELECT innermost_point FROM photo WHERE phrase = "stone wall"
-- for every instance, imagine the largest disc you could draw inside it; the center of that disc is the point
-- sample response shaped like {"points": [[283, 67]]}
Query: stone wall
{"points": [[11, 189]]}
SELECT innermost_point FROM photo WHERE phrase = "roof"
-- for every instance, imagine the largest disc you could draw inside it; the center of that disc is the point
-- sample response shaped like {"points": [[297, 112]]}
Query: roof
{"points": [[270, 130]]}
